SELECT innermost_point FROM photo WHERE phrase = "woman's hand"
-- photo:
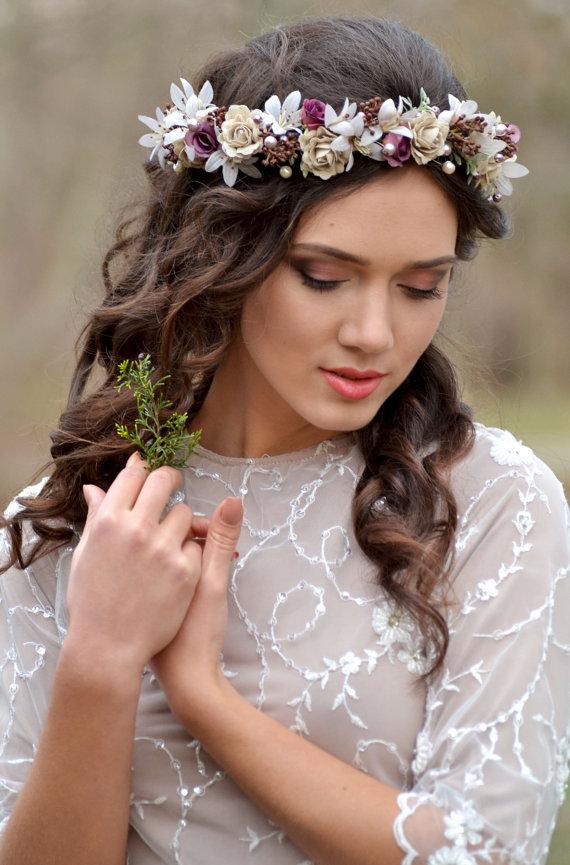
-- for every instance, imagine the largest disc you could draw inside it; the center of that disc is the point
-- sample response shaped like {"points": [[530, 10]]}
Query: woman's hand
{"points": [[188, 669], [132, 575]]}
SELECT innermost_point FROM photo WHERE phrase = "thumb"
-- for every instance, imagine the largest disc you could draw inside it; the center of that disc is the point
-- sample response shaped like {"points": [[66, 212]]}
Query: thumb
{"points": [[93, 495], [223, 534]]}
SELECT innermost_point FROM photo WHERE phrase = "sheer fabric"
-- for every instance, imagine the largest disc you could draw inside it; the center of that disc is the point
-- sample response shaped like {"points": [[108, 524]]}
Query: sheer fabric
{"points": [[480, 758]]}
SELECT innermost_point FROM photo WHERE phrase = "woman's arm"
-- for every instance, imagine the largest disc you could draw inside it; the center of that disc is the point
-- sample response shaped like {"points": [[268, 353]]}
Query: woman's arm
{"points": [[335, 813], [491, 762], [74, 806]]}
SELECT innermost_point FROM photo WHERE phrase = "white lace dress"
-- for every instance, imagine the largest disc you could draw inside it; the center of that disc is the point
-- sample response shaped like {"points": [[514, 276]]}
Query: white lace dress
{"points": [[481, 758]]}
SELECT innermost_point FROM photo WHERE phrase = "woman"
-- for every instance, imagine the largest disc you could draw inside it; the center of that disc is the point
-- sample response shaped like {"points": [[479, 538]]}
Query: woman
{"points": [[383, 673]]}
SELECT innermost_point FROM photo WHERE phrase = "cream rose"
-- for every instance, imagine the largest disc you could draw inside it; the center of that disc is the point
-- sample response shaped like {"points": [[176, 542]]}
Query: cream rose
{"points": [[318, 156], [240, 135], [429, 136]]}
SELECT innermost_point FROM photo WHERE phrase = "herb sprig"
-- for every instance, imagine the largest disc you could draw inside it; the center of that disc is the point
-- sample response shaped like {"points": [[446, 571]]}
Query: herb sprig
{"points": [[159, 443]]}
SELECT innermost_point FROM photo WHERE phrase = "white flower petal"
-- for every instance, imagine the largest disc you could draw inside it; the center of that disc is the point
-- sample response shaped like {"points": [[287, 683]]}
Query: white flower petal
{"points": [[370, 135], [230, 173], [214, 160], [454, 102], [149, 121], [445, 117], [375, 152], [177, 96], [358, 124], [273, 106], [188, 89], [174, 135], [504, 185], [148, 140], [339, 144], [404, 131], [330, 114], [174, 118], [342, 127], [514, 169], [292, 101], [387, 110], [206, 93], [249, 169]]}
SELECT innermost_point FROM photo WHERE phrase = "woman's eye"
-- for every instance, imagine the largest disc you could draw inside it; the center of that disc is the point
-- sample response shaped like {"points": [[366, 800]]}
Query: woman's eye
{"points": [[423, 292], [328, 284], [319, 284]]}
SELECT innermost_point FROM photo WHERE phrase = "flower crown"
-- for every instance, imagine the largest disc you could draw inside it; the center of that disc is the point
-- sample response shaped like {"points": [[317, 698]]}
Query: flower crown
{"points": [[192, 132]]}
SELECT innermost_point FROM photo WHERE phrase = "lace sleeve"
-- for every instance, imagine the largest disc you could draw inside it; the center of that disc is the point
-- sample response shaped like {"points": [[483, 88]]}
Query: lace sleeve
{"points": [[491, 760], [30, 642]]}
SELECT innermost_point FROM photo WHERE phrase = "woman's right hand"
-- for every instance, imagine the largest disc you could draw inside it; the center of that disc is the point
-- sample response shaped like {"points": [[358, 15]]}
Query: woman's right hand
{"points": [[133, 575]]}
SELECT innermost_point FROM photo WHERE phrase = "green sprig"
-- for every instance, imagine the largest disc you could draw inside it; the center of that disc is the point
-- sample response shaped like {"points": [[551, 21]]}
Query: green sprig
{"points": [[159, 443]]}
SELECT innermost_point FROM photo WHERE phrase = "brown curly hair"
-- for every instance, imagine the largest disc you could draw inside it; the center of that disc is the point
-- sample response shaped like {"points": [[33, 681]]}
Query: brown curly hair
{"points": [[186, 256]]}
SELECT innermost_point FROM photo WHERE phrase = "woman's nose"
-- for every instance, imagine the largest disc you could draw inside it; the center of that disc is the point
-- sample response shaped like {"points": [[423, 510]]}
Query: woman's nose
{"points": [[369, 324]]}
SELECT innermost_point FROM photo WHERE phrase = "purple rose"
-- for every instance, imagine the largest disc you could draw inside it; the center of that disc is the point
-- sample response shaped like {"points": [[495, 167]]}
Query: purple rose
{"points": [[203, 139], [313, 113], [402, 152], [513, 132]]}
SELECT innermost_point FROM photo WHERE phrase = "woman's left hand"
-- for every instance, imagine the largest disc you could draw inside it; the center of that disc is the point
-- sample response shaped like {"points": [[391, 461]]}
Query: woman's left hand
{"points": [[188, 669]]}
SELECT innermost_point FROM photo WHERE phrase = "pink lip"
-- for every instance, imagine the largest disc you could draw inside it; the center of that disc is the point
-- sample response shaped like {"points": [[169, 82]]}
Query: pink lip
{"points": [[351, 389], [351, 372]]}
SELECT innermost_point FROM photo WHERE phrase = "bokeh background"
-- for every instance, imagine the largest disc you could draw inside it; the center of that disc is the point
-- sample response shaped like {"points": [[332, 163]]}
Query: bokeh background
{"points": [[76, 73]]}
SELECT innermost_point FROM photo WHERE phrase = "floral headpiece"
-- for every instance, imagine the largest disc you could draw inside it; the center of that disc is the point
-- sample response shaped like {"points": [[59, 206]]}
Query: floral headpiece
{"points": [[192, 132]]}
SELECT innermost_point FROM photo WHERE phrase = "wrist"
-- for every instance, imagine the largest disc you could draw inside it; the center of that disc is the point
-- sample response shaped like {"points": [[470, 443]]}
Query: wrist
{"points": [[196, 713], [94, 667]]}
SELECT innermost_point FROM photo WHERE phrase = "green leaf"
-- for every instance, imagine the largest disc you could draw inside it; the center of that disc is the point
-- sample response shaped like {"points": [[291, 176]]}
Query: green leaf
{"points": [[166, 439]]}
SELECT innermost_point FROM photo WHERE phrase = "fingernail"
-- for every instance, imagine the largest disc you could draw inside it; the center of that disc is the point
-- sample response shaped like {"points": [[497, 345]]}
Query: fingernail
{"points": [[232, 511], [133, 458]]}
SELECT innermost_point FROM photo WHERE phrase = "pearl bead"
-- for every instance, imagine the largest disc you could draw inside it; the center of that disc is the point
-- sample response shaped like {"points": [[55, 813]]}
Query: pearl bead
{"points": [[499, 157], [389, 148], [497, 196], [270, 141], [285, 171], [500, 129], [435, 110], [446, 149], [448, 167]]}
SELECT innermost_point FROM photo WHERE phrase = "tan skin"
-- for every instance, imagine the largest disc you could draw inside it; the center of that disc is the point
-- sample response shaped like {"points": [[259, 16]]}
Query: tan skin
{"points": [[268, 396]]}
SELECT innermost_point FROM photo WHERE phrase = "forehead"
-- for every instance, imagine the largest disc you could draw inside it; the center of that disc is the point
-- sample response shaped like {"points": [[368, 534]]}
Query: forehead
{"points": [[400, 215]]}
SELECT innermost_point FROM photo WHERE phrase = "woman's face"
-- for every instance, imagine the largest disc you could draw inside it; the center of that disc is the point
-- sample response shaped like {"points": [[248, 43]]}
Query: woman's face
{"points": [[378, 311]]}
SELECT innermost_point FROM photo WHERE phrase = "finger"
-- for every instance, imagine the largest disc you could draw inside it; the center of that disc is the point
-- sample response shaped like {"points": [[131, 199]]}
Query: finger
{"points": [[154, 495], [123, 492], [93, 496], [200, 525], [223, 535], [178, 523]]}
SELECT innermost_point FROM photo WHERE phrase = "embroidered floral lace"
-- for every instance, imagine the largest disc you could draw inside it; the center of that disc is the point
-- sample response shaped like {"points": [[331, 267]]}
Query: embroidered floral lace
{"points": [[481, 757]]}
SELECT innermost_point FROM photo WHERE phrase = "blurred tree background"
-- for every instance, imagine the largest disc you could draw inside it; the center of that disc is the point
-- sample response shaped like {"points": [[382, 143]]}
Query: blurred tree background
{"points": [[75, 75]]}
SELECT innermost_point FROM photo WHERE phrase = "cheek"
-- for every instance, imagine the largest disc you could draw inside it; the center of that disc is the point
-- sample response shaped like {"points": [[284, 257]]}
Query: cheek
{"points": [[281, 320], [417, 329]]}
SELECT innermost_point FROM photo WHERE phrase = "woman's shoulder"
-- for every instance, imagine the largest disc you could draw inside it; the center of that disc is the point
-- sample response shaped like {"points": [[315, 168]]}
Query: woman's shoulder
{"points": [[513, 528], [500, 464], [38, 579]]}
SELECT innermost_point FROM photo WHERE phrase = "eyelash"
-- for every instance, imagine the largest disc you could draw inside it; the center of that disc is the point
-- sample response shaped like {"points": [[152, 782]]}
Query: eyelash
{"points": [[329, 285]]}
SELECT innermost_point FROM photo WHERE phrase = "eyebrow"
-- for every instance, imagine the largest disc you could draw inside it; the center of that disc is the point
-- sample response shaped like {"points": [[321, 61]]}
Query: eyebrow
{"points": [[348, 256]]}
